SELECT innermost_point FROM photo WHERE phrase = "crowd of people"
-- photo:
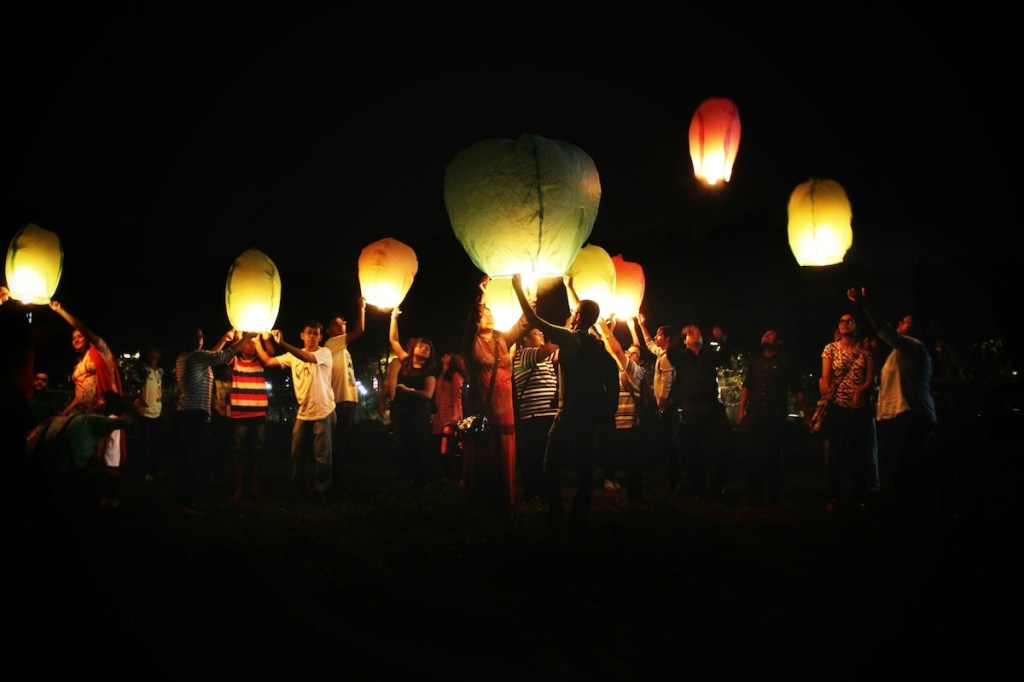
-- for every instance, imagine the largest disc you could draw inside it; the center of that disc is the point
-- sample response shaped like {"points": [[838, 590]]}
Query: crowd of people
{"points": [[578, 395]]}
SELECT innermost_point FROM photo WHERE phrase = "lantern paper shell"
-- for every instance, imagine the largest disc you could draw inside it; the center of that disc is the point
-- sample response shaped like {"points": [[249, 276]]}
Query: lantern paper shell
{"points": [[714, 140], [387, 268], [35, 261], [252, 294], [522, 206], [503, 303], [629, 288], [593, 277], [820, 232]]}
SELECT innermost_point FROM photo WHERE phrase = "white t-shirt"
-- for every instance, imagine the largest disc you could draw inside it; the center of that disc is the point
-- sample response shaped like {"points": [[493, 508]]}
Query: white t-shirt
{"points": [[312, 382], [343, 375]]}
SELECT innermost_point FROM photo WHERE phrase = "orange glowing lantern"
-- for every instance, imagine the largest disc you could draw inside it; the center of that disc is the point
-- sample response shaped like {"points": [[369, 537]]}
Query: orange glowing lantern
{"points": [[522, 206], [35, 261], [503, 303], [387, 268], [593, 277], [714, 140], [629, 288], [820, 232], [252, 294]]}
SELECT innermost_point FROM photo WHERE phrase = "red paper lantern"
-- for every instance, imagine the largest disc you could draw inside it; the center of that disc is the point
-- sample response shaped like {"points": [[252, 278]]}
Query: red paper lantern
{"points": [[714, 140]]}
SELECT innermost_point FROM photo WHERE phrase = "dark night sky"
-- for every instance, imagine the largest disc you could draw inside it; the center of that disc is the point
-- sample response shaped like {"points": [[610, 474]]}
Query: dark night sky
{"points": [[172, 140]]}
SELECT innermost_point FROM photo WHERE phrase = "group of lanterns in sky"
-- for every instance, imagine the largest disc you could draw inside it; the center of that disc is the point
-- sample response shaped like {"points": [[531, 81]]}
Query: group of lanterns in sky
{"points": [[524, 206]]}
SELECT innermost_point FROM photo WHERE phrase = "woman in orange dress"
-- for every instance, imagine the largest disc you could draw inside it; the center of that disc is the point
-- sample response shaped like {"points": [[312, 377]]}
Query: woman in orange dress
{"points": [[489, 465]]}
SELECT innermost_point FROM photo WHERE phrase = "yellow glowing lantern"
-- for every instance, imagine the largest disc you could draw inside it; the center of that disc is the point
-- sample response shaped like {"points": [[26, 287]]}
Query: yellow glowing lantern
{"points": [[35, 261], [593, 277], [387, 268], [819, 223], [522, 206], [503, 303], [629, 288], [714, 140], [252, 294]]}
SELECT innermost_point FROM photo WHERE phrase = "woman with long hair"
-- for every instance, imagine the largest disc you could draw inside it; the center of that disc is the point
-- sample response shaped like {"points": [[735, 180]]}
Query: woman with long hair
{"points": [[409, 385], [489, 464], [847, 375]]}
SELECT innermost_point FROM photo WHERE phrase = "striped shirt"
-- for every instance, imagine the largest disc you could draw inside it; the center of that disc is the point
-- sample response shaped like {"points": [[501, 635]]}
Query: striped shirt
{"points": [[536, 384], [248, 388], [194, 373]]}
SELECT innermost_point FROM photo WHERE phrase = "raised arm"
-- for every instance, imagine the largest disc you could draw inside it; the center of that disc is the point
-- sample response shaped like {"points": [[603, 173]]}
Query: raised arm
{"points": [[570, 292], [396, 345], [559, 335], [266, 358], [631, 323], [360, 326], [76, 323], [611, 343]]}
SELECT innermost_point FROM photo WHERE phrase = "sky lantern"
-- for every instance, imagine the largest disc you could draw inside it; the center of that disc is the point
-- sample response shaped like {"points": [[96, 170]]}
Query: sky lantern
{"points": [[387, 268], [629, 288], [252, 294], [593, 277], [35, 261], [714, 140], [503, 303], [819, 223], [522, 206]]}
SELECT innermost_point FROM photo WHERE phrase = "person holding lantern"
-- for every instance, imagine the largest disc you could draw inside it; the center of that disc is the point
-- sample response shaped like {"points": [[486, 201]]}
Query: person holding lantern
{"points": [[589, 396], [193, 371], [96, 372], [343, 381], [536, 403], [489, 464], [409, 385], [314, 422]]}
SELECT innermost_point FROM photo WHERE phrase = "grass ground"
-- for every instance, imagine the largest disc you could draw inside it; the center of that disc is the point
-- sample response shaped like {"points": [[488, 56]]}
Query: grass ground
{"points": [[383, 582]]}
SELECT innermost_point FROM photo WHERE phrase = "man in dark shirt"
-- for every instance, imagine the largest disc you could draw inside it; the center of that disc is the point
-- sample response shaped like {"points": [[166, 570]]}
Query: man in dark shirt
{"points": [[588, 397], [764, 407], [704, 428]]}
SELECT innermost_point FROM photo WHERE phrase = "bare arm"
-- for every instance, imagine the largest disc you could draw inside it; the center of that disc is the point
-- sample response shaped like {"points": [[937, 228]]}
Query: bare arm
{"points": [[75, 323], [360, 325], [631, 323], [265, 357], [426, 392], [611, 343], [387, 391], [570, 292], [396, 345], [825, 382]]}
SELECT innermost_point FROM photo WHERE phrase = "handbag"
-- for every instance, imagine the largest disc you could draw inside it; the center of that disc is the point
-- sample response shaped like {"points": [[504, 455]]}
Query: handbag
{"points": [[820, 412], [477, 427]]}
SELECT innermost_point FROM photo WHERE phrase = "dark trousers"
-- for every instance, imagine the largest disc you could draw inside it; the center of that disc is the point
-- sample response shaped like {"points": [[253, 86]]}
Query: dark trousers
{"points": [[192, 427], [762, 439], [902, 447], [704, 434], [849, 434], [149, 444], [531, 442], [346, 415], [571, 441], [667, 436]]}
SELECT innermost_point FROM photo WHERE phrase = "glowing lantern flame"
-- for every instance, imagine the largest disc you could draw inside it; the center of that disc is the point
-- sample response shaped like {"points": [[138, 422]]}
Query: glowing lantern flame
{"points": [[35, 261], [629, 288], [820, 232], [252, 294], [522, 206], [593, 277], [714, 140], [387, 268]]}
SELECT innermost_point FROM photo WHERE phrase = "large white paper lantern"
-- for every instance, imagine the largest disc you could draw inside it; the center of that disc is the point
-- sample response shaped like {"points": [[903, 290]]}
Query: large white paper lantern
{"points": [[820, 231], [35, 261], [252, 294], [714, 140], [387, 268], [522, 206], [593, 277]]}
